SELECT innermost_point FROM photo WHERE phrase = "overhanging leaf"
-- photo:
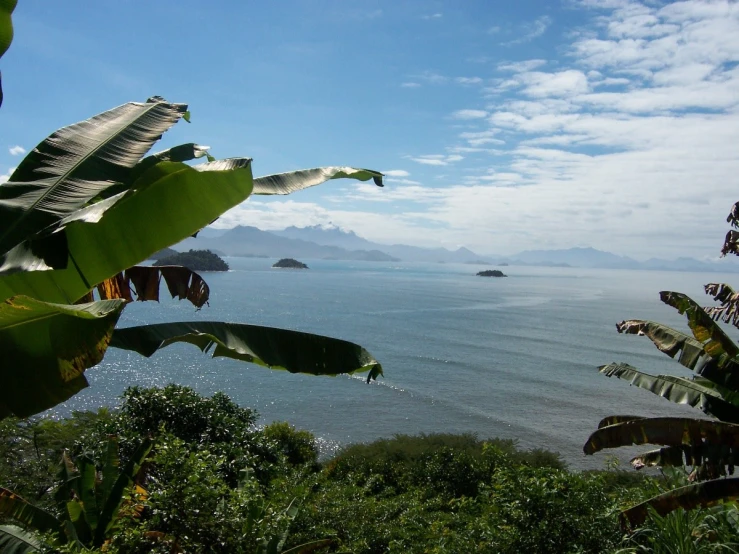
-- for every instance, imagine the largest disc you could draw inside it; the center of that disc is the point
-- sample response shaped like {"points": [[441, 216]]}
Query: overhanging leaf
{"points": [[293, 181], [667, 456], [293, 351], [76, 163], [614, 419], [703, 494], [144, 283], [668, 340], [116, 495], [728, 312], [15, 540], [665, 431], [687, 455], [46, 349], [715, 342], [171, 201], [20, 510], [709, 397]]}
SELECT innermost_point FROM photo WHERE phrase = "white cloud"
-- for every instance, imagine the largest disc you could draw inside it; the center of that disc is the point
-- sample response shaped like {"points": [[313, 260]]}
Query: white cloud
{"points": [[432, 16], [410, 84], [632, 135], [468, 80], [530, 31], [6, 176], [469, 114], [397, 173], [16, 150], [518, 67], [437, 159]]}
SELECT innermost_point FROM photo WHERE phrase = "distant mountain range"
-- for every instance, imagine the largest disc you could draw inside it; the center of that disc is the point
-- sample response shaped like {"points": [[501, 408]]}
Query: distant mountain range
{"points": [[333, 243]]}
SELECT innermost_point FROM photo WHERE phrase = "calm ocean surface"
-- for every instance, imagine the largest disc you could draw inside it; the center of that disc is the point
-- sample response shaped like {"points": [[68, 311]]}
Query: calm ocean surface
{"points": [[512, 358]]}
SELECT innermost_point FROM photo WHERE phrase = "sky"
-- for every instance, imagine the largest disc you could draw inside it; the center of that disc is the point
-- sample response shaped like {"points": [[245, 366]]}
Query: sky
{"points": [[500, 126]]}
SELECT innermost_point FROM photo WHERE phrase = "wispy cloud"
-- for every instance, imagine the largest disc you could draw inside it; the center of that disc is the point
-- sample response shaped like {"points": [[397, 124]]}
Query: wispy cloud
{"points": [[518, 67], [530, 31], [631, 135], [470, 114], [410, 84], [432, 16], [468, 80], [397, 173], [16, 150], [437, 159]]}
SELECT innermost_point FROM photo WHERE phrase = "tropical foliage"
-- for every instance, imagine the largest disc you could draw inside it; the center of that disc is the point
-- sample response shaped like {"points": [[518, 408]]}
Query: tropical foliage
{"points": [[82, 209], [709, 447], [214, 482], [6, 31]]}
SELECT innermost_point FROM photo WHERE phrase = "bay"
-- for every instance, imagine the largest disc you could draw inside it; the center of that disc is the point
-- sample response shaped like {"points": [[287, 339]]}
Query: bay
{"points": [[511, 357]]}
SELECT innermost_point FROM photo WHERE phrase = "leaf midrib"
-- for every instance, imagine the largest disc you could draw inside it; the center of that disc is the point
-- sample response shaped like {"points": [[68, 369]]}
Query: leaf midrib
{"points": [[60, 179]]}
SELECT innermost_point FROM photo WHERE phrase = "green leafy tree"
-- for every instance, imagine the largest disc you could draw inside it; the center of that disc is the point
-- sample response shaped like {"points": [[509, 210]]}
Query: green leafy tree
{"points": [[82, 209], [709, 447]]}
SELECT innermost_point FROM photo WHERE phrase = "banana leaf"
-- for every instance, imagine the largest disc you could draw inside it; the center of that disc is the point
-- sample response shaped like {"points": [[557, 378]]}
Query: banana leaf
{"points": [[294, 351], [20, 510], [702, 494], [16, 540], [170, 202], [692, 353], [6, 25], [665, 431], [143, 282], [715, 342], [46, 349], [6, 32], [614, 419], [667, 456], [728, 312], [698, 393], [293, 181], [73, 165]]}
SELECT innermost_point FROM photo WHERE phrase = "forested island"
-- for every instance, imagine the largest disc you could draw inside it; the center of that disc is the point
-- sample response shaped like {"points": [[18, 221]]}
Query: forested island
{"points": [[290, 263], [491, 273], [196, 260]]}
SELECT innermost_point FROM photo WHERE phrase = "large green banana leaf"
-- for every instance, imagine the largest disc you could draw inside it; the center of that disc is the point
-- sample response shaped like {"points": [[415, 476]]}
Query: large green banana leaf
{"points": [[16, 540], [171, 201], [715, 342], [666, 431], [6, 24], [687, 455], [689, 352], [6, 32], [293, 351], [73, 165], [688, 497], [46, 349], [698, 393], [18, 509], [293, 181]]}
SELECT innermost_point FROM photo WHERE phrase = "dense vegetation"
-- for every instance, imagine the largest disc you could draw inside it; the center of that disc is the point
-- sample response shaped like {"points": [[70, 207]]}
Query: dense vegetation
{"points": [[214, 482], [196, 260], [289, 263]]}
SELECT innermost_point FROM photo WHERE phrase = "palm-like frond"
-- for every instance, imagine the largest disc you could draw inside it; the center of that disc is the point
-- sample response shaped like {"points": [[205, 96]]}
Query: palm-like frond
{"points": [[76, 163]]}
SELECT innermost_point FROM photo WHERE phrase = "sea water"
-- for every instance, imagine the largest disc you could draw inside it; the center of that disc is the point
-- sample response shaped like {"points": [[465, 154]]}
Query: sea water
{"points": [[512, 357]]}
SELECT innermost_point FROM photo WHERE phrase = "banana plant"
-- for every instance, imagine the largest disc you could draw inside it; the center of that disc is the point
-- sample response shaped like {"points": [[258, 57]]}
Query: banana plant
{"points": [[6, 32], [83, 209], [710, 447], [89, 503]]}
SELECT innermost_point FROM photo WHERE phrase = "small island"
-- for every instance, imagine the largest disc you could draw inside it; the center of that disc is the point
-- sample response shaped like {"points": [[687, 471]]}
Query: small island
{"points": [[289, 263], [491, 273], [195, 260]]}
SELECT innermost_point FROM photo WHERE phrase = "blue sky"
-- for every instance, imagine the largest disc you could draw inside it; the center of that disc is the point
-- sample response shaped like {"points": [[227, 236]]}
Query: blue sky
{"points": [[502, 126]]}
